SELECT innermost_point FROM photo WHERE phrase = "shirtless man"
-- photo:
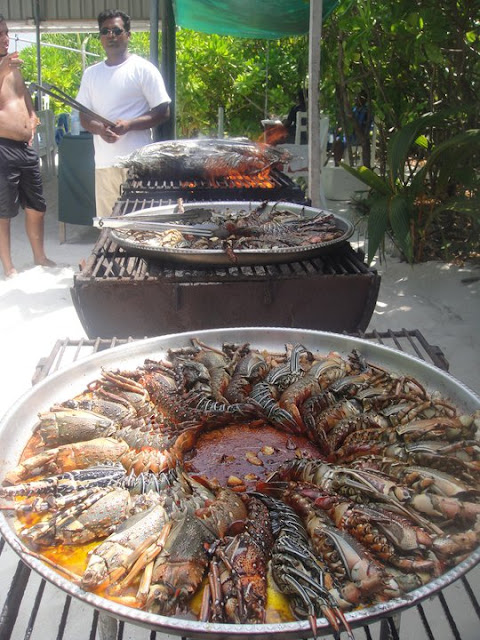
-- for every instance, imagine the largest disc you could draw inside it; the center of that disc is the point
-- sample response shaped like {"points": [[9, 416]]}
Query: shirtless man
{"points": [[20, 177]]}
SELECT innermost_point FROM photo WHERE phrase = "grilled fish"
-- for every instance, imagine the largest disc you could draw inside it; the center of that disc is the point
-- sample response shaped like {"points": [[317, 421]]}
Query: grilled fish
{"points": [[201, 158]]}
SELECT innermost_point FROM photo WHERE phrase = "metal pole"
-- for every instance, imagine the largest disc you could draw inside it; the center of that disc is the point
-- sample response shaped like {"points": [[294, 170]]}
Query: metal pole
{"points": [[168, 63], [267, 60], [221, 119], [84, 53], [36, 18], [314, 160], [154, 18], [59, 46]]}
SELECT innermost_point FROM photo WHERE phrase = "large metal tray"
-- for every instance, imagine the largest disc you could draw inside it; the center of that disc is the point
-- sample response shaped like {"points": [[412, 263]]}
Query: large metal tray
{"points": [[16, 426], [243, 256]]}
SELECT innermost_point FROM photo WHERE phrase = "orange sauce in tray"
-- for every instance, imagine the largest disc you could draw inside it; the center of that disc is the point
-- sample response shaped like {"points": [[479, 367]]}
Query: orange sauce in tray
{"points": [[238, 456], [70, 561]]}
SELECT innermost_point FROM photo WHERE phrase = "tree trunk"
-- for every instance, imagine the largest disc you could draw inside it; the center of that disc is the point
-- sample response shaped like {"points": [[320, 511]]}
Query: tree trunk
{"points": [[342, 99]]}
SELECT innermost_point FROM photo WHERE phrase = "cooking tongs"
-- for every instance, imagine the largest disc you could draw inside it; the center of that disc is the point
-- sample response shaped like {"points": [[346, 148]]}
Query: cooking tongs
{"points": [[139, 222], [60, 95]]}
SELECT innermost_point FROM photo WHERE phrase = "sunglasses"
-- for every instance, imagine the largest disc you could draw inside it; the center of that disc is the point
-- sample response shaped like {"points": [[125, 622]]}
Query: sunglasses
{"points": [[116, 31]]}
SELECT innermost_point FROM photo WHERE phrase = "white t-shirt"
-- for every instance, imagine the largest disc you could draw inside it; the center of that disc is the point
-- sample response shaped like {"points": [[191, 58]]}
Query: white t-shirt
{"points": [[123, 91]]}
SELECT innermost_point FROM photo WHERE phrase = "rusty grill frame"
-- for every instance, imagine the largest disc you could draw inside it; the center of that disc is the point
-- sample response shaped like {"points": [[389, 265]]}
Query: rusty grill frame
{"points": [[148, 297], [93, 624]]}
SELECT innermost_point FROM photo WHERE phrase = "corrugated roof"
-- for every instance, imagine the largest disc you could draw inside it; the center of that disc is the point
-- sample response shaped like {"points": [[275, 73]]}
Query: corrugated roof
{"points": [[245, 18], [70, 15]]}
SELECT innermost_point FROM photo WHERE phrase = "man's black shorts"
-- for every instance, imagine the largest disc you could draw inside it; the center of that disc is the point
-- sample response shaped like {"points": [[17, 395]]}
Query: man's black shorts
{"points": [[20, 178]]}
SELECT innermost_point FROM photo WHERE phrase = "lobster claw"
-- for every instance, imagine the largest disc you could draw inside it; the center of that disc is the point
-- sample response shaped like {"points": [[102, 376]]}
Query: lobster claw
{"points": [[310, 594]]}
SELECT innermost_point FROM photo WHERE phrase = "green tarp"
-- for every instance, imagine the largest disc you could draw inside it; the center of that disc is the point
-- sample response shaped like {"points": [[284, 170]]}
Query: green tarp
{"points": [[76, 179], [248, 18]]}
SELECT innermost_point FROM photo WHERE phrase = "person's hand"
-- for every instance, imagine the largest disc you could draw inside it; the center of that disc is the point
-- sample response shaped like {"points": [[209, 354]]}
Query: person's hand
{"points": [[121, 126], [15, 60], [109, 135], [11, 61]]}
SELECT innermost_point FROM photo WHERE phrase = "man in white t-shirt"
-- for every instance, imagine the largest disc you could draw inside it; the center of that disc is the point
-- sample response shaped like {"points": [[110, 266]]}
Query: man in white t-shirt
{"points": [[127, 90]]}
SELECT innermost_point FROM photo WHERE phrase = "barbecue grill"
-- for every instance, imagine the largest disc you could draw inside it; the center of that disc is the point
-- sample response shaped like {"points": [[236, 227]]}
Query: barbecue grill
{"points": [[32, 608], [135, 296], [141, 296], [273, 185]]}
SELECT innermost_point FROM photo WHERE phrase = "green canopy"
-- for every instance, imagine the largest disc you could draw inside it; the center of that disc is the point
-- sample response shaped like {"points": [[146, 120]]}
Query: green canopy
{"points": [[248, 18]]}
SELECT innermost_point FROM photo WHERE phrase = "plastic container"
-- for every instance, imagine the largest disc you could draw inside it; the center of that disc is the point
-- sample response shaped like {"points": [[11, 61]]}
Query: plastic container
{"points": [[75, 123]]}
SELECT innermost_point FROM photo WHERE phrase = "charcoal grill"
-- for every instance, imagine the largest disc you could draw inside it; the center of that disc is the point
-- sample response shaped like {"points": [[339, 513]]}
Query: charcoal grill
{"points": [[136, 194], [142, 297], [33, 608]]}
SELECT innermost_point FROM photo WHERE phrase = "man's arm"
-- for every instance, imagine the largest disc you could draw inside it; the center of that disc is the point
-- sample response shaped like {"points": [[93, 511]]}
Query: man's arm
{"points": [[31, 108], [34, 119], [98, 128], [149, 120]]}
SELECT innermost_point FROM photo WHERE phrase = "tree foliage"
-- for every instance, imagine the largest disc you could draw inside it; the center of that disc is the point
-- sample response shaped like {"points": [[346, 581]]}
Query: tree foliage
{"points": [[409, 204], [409, 58], [61, 61], [250, 79]]}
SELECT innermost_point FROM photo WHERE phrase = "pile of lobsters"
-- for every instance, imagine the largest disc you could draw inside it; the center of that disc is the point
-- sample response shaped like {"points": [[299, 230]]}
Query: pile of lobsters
{"points": [[353, 485]]}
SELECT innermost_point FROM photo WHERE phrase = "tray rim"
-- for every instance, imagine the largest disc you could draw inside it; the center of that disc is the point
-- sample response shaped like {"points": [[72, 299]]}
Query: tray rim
{"points": [[196, 629]]}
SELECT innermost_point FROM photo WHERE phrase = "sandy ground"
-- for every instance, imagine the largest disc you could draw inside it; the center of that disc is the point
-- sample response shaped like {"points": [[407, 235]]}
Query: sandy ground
{"points": [[441, 300]]}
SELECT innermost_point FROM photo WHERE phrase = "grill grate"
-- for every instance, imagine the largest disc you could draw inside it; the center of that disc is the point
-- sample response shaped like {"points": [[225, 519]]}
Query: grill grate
{"points": [[36, 610], [152, 193], [142, 296], [108, 260]]}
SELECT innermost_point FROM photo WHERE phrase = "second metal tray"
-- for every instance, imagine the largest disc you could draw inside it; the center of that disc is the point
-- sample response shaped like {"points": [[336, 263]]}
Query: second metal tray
{"points": [[243, 256]]}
